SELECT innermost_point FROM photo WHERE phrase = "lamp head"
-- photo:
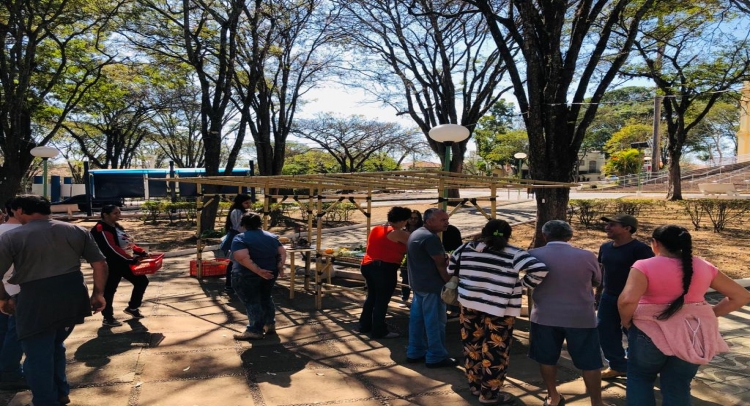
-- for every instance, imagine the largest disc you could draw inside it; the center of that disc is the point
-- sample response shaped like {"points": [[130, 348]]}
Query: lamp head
{"points": [[520, 155], [44, 152], [449, 133]]}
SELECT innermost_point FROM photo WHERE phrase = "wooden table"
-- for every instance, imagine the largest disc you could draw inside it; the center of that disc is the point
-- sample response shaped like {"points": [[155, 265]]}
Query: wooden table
{"points": [[307, 255]]}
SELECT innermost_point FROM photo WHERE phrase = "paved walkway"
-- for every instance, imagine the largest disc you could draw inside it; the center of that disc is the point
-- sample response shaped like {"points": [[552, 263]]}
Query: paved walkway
{"points": [[183, 353]]}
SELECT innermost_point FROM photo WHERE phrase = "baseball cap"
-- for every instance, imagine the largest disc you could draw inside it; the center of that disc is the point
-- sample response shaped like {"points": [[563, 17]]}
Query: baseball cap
{"points": [[624, 219]]}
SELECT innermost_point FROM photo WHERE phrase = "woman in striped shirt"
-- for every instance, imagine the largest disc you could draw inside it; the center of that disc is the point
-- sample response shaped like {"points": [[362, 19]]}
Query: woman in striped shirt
{"points": [[490, 288]]}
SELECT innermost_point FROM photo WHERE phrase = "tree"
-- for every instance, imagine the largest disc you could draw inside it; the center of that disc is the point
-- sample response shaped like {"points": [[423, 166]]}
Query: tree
{"points": [[282, 54], [627, 135], [311, 161], [52, 52], [715, 137], [618, 108], [204, 37], [428, 60], [175, 127], [567, 49], [354, 140], [624, 162], [111, 121], [693, 55], [496, 142]]}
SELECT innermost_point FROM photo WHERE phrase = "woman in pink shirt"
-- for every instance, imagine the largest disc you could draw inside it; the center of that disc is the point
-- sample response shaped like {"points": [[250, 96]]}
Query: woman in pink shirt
{"points": [[671, 328]]}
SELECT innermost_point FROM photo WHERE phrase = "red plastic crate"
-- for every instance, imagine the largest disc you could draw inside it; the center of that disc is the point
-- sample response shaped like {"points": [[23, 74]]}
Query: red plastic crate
{"points": [[148, 265], [211, 267]]}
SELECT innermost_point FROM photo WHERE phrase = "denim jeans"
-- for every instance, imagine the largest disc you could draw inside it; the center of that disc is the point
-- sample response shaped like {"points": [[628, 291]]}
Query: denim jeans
{"points": [[381, 282], [228, 276], [610, 332], [45, 366], [405, 290], [646, 361], [427, 328], [255, 293], [11, 352], [116, 274]]}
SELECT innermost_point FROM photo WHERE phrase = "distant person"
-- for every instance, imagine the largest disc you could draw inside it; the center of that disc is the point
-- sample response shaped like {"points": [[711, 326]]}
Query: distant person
{"points": [[121, 252], [11, 374], [386, 246], [616, 257], [415, 222], [428, 272], [489, 289], [564, 310], [451, 240], [239, 207], [671, 328], [259, 260], [46, 255]]}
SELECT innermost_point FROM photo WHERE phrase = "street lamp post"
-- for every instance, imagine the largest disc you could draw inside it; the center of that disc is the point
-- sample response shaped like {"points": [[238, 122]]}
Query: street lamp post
{"points": [[520, 156], [448, 134], [45, 153]]}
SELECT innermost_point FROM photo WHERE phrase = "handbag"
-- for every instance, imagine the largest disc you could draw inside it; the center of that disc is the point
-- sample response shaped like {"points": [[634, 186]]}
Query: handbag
{"points": [[449, 294]]}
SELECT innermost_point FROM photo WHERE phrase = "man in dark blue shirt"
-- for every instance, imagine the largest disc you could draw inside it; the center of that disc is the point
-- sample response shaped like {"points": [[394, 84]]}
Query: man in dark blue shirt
{"points": [[616, 257]]}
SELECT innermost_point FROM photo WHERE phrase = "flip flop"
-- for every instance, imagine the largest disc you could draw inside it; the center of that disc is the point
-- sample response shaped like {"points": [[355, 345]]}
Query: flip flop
{"points": [[560, 403], [503, 398]]}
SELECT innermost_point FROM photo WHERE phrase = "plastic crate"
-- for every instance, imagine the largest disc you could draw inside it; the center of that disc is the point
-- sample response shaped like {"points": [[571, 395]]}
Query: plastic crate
{"points": [[148, 265], [211, 267]]}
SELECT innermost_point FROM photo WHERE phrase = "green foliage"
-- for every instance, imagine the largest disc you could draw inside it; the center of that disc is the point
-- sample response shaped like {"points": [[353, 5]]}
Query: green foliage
{"points": [[588, 211], [341, 212], [151, 210], [695, 210], [632, 206], [627, 162], [223, 209], [722, 211], [633, 104], [496, 141], [276, 212], [180, 209], [310, 162], [631, 133]]}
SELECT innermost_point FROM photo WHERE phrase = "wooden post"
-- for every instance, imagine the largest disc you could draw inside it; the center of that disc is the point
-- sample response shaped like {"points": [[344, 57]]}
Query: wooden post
{"points": [[199, 240], [318, 242], [493, 201], [266, 205], [368, 216]]}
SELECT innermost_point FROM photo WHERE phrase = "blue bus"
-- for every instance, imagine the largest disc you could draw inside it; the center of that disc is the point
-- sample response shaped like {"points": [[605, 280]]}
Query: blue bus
{"points": [[108, 184]]}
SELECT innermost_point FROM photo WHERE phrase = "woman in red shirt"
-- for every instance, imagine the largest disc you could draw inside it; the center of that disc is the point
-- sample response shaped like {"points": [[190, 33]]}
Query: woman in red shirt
{"points": [[386, 246]]}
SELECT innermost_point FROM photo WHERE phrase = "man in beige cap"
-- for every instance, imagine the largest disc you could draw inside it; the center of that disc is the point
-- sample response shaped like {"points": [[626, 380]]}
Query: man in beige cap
{"points": [[616, 257]]}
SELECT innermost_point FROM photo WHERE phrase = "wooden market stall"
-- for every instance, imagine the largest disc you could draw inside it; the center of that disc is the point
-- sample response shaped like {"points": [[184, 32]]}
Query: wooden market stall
{"points": [[310, 192]]}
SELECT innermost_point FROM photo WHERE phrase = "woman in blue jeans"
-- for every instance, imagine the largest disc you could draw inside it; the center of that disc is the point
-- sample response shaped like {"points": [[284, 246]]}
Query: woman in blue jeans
{"points": [[259, 259], [671, 328]]}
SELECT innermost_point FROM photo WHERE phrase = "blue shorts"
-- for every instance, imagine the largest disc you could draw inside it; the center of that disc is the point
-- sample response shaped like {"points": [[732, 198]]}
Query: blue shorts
{"points": [[583, 346]]}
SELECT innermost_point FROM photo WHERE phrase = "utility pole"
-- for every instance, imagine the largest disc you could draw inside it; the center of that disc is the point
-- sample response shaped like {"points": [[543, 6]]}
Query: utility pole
{"points": [[655, 148]]}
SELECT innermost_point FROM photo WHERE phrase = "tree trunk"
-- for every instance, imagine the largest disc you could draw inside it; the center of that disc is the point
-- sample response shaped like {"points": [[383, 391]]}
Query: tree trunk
{"points": [[552, 204], [11, 180], [675, 177], [212, 143]]}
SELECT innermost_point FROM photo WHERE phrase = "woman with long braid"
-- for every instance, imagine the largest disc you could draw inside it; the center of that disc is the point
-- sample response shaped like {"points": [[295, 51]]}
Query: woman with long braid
{"points": [[671, 328]]}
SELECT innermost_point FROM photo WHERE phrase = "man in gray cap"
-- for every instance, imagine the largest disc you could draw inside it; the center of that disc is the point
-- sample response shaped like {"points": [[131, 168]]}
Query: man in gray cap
{"points": [[616, 257]]}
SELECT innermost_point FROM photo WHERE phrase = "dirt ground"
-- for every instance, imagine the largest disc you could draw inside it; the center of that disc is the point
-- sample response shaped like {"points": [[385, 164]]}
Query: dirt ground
{"points": [[728, 250]]}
